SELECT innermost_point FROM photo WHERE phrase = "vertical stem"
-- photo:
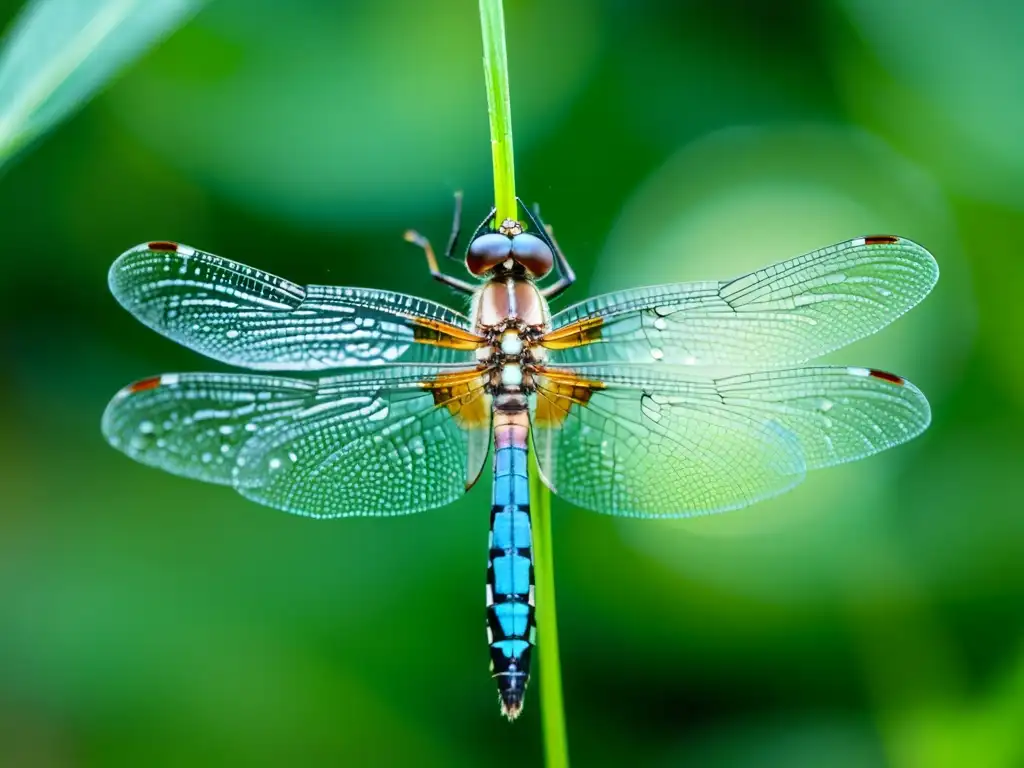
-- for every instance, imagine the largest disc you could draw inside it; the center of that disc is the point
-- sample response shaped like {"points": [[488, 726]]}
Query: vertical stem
{"points": [[556, 750], [499, 108], [556, 744]]}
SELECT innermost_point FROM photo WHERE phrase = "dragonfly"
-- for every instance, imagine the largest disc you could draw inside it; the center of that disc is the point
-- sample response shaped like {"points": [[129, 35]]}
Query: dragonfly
{"points": [[659, 402]]}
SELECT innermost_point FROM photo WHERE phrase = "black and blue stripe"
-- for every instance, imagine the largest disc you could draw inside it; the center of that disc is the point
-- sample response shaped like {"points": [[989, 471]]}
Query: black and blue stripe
{"points": [[510, 612]]}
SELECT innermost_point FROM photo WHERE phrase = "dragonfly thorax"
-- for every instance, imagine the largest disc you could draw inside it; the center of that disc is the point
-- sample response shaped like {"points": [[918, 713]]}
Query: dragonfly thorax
{"points": [[509, 302], [512, 315]]}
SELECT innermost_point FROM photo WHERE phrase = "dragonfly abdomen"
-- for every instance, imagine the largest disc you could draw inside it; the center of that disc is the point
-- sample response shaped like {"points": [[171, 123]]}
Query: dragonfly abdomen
{"points": [[510, 612]]}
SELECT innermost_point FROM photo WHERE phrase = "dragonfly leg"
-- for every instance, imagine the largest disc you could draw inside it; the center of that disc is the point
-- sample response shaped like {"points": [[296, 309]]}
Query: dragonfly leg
{"points": [[411, 236], [453, 239], [566, 276]]}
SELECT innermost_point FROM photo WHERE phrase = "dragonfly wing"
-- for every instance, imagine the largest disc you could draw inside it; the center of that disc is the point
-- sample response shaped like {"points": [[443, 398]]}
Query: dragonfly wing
{"points": [[838, 414], [246, 317], [194, 424], [781, 315], [635, 440], [385, 442], [368, 447]]}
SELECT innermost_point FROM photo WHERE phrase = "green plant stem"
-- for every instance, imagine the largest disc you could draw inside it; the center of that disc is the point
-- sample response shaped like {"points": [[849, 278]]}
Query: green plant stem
{"points": [[499, 109], [556, 744]]}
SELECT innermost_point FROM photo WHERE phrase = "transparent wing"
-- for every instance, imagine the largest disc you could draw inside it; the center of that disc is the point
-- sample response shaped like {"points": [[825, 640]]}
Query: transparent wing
{"points": [[371, 443], [370, 448], [195, 424], [634, 440], [250, 318], [781, 315]]}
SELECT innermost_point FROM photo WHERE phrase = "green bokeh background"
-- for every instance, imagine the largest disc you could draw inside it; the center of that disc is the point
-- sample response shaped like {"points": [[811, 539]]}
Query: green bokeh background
{"points": [[872, 617]]}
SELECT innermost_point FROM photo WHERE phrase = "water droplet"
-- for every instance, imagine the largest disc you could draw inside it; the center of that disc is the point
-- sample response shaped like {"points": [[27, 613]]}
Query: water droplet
{"points": [[660, 324], [225, 449], [275, 463], [207, 457], [657, 354], [226, 429], [417, 446], [293, 456], [826, 405], [147, 427], [251, 427], [232, 334]]}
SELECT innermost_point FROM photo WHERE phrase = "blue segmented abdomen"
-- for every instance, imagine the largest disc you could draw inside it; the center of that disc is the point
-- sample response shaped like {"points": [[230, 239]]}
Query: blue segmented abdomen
{"points": [[510, 612]]}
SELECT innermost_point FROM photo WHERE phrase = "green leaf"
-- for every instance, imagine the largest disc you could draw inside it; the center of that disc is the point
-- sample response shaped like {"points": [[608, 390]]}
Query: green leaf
{"points": [[58, 53]]}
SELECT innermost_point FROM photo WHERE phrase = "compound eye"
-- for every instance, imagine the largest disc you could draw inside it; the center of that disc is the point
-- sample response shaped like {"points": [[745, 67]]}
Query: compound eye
{"points": [[487, 252], [533, 253]]}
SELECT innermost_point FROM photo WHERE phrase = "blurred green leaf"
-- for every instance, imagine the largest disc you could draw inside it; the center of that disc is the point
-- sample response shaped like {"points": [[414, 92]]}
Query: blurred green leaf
{"points": [[58, 53]]}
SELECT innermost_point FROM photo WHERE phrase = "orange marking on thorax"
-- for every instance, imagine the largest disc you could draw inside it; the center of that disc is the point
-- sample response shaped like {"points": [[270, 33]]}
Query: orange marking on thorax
{"points": [[577, 334], [429, 331], [461, 393], [558, 392]]}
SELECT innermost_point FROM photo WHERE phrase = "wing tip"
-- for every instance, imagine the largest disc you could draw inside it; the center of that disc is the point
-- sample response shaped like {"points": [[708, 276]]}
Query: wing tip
{"points": [[925, 258], [125, 262], [142, 385], [910, 393]]}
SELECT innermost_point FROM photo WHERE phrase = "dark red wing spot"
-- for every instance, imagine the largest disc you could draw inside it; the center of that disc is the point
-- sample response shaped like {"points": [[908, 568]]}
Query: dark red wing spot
{"points": [[163, 245], [881, 240], [884, 376], [141, 386]]}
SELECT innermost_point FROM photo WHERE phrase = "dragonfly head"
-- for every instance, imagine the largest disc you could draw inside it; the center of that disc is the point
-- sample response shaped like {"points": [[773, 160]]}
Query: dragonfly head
{"points": [[508, 248]]}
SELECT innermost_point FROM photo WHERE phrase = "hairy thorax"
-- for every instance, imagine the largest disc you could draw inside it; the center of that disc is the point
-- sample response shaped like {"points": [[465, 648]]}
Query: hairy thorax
{"points": [[513, 315]]}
